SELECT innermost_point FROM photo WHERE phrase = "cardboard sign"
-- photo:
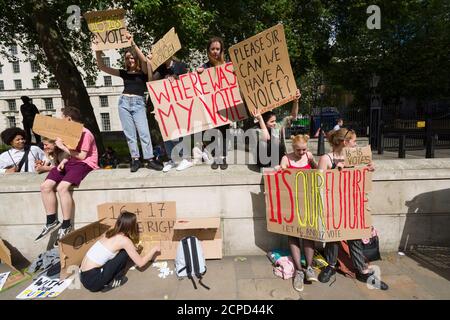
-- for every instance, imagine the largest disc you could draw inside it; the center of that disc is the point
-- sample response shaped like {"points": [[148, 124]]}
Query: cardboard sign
{"points": [[155, 222], [69, 131], [357, 156], [165, 48], [44, 287], [74, 246], [263, 70], [197, 102], [319, 205], [109, 29], [16, 276]]}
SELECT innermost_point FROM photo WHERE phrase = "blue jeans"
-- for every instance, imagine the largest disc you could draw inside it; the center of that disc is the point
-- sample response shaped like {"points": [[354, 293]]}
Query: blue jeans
{"points": [[133, 117]]}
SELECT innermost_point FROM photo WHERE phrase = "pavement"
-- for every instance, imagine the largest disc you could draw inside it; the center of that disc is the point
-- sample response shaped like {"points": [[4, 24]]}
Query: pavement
{"points": [[410, 277]]}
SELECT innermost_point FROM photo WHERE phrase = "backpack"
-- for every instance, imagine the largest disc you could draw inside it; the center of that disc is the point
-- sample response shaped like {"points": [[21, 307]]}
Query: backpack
{"points": [[284, 268], [189, 261]]}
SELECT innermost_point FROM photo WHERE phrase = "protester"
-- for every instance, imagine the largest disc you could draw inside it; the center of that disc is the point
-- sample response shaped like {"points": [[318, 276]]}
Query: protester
{"points": [[171, 69], [273, 133], [54, 156], [216, 57], [70, 172], [104, 265], [132, 109], [20, 157], [300, 158], [335, 159], [29, 112], [109, 159]]}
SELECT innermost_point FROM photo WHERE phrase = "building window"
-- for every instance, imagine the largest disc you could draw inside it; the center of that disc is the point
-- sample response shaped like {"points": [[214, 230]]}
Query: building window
{"points": [[90, 82], [34, 66], [2, 85], [48, 103], [106, 124], [1, 69], [11, 122], [35, 83], [104, 101], [106, 61], [16, 66], [13, 50], [18, 84], [108, 81], [12, 105]]}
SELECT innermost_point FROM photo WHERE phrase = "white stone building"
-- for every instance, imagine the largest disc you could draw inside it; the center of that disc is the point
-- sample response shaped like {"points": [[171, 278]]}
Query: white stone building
{"points": [[17, 79]]}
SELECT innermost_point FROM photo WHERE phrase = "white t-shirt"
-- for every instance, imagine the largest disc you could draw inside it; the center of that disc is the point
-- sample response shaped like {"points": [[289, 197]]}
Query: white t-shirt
{"points": [[336, 127], [13, 156]]}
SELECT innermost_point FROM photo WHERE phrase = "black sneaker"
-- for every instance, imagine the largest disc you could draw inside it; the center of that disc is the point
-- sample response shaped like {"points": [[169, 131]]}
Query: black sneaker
{"points": [[135, 165], [372, 280], [47, 229], [61, 234], [224, 165], [115, 283], [214, 165], [326, 274], [154, 164]]}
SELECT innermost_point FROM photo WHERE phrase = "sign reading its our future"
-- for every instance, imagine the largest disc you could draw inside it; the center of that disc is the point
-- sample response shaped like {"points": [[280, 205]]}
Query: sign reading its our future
{"points": [[330, 205], [263, 70], [108, 28]]}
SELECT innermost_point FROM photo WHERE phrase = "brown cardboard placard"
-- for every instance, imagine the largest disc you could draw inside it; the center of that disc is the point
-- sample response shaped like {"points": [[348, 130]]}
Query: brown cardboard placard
{"points": [[165, 48], [357, 156], [109, 29], [326, 206], [196, 102], [69, 131], [155, 222], [263, 70], [74, 246]]}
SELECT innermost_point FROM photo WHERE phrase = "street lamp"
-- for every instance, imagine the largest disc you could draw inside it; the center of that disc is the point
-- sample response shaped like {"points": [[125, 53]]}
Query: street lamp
{"points": [[321, 140], [375, 113]]}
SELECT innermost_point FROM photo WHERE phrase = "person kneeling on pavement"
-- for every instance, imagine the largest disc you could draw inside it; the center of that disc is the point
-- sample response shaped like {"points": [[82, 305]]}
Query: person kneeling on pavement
{"points": [[104, 265]]}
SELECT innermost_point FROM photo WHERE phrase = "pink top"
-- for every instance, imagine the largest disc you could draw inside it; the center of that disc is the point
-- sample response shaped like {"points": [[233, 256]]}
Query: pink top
{"points": [[308, 166], [87, 143]]}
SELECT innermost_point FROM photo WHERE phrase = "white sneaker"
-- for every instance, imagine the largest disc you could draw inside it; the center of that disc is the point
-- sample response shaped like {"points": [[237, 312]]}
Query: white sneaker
{"points": [[197, 155], [184, 164], [207, 158], [168, 165]]}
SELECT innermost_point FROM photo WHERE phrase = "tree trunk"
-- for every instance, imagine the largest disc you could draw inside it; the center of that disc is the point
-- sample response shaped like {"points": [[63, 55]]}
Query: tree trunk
{"points": [[61, 65]]}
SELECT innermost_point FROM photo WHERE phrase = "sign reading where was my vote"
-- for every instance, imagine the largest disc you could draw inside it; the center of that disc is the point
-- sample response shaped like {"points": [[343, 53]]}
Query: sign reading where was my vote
{"points": [[197, 101], [108, 28], [263, 70], [325, 206]]}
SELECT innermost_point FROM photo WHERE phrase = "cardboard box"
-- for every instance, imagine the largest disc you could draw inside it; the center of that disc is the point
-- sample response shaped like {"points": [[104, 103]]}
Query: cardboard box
{"points": [[16, 276], [74, 246], [207, 230]]}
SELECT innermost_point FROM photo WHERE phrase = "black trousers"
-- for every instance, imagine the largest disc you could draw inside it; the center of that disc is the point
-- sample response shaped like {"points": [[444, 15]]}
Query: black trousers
{"points": [[356, 253], [95, 279], [27, 126]]}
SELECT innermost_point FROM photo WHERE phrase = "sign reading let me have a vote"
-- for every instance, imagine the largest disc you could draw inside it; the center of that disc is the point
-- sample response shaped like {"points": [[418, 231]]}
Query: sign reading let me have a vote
{"points": [[263, 70], [108, 28]]}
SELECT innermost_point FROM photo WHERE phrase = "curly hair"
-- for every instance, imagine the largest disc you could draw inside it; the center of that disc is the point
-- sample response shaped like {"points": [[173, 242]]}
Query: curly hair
{"points": [[9, 134]]}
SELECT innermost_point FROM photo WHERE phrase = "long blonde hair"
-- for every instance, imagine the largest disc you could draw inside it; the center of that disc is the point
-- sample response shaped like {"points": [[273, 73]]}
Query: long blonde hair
{"points": [[216, 62], [55, 155]]}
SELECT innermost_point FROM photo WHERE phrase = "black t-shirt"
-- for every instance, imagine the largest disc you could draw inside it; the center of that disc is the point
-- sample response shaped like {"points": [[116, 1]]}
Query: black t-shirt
{"points": [[133, 82], [177, 68]]}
